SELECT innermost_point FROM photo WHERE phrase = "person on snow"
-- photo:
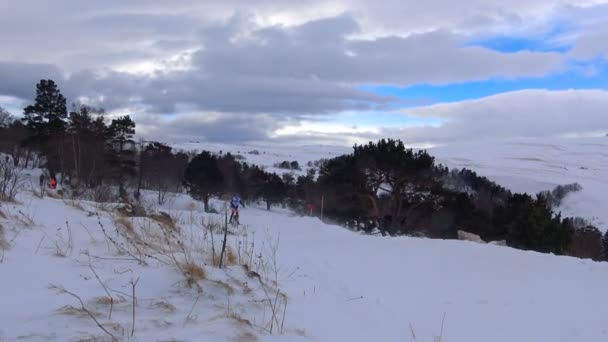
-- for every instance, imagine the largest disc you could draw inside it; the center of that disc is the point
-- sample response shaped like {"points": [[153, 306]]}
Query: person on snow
{"points": [[234, 206], [53, 183]]}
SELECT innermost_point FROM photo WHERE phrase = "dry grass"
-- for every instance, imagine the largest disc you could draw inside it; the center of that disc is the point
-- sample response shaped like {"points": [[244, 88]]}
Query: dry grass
{"points": [[239, 319], [3, 215], [106, 300], [231, 257], [69, 310], [193, 272], [125, 224], [227, 287], [164, 219], [166, 306]]}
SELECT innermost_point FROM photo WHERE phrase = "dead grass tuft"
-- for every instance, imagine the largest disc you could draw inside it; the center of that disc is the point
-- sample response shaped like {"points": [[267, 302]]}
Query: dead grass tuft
{"points": [[231, 257], [164, 219], [239, 319], [106, 300], [3, 215], [165, 306], [193, 272], [125, 224], [69, 310], [227, 287]]}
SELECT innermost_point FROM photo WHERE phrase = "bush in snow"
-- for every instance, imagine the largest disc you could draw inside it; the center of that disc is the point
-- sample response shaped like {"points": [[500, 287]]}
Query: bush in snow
{"points": [[556, 196], [288, 165], [10, 178], [586, 243], [605, 246]]}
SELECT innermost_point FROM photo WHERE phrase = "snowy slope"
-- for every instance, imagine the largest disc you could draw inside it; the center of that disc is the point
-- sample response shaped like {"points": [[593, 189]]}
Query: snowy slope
{"points": [[534, 165], [341, 286], [269, 155], [57, 244], [521, 165]]}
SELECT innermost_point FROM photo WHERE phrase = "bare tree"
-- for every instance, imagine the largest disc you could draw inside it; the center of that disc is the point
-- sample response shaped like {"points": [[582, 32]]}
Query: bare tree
{"points": [[5, 118], [10, 178]]}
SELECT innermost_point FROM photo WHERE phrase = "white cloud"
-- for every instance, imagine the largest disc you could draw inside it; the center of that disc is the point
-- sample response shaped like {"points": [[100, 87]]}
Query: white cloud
{"points": [[527, 113], [284, 60]]}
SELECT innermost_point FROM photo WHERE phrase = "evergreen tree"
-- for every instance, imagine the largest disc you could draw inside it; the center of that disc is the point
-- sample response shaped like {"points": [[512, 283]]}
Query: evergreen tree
{"points": [[122, 154], [45, 120], [49, 110], [203, 177], [605, 246]]}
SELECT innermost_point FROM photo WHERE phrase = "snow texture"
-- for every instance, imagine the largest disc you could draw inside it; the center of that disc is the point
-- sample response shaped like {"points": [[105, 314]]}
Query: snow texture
{"points": [[340, 285]]}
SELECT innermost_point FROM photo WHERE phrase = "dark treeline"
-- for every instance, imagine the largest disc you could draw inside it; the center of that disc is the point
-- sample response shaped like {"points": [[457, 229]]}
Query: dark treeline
{"points": [[87, 153], [381, 186]]}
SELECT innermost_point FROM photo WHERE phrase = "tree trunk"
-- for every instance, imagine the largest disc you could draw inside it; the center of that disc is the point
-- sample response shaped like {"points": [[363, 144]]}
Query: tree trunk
{"points": [[268, 203], [206, 202], [141, 170]]}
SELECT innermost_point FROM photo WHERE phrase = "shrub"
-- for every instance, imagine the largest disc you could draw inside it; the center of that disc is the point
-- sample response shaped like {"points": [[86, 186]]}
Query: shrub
{"points": [[10, 178], [586, 243], [288, 165], [555, 197]]}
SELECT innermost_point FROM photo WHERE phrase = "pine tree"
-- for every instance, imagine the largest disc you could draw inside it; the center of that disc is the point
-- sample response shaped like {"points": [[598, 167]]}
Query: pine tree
{"points": [[49, 110], [45, 120], [203, 177], [122, 155], [605, 246]]}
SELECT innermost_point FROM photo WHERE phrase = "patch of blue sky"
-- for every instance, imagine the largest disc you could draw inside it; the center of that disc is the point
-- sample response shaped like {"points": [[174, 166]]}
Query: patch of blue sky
{"points": [[546, 41], [516, 44], [580, 75]]}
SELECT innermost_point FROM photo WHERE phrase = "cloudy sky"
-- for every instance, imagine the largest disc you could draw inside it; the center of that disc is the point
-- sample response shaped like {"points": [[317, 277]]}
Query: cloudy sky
{"points": [[433, 71]]}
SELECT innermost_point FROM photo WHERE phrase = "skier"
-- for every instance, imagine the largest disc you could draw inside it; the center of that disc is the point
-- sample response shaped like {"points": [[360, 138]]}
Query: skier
{"points": [[234, 205]]}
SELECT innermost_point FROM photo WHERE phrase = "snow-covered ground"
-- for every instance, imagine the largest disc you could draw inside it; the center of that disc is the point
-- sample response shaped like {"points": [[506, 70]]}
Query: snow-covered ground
{"points": [[340, 285], [534, 165], [269, 155], [521, 165]]}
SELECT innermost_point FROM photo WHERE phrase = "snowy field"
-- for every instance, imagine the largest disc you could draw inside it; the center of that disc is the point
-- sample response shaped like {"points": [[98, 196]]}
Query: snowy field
{"points": [[339, 285], [534, 165], [521, 165]]}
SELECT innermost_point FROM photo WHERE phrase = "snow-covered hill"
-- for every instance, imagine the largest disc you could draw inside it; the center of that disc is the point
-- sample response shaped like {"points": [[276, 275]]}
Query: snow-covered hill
{"points": [[521, 165], [340, 285], [534, 165]]}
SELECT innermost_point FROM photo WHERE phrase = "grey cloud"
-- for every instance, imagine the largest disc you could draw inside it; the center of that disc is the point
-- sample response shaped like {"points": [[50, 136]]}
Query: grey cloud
{"points": [[323, 50], [308, 69], [19, 79], [196, 126], [241, 68], [527, 113]]}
